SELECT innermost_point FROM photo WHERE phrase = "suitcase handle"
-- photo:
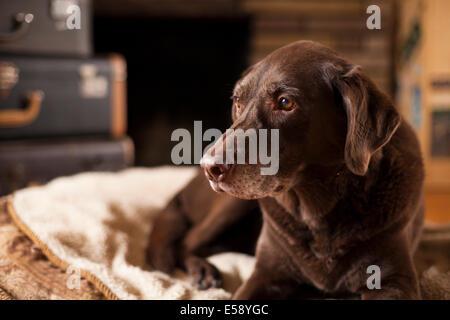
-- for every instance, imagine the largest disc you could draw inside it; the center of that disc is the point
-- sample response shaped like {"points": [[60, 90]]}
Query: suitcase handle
{"points": [[19, 118], [22, 21]]}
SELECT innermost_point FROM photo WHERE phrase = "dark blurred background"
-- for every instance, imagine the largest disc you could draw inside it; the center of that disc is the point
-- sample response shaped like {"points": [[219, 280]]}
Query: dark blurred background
{"points": [[180, 69], [68, 105]]}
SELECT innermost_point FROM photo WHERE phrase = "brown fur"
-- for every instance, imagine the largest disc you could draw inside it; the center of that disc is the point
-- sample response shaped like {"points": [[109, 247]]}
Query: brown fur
{"points": [[348, 193]]}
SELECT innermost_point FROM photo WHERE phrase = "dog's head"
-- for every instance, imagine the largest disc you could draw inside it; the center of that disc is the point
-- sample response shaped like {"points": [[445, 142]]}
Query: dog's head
{"points": [[326, 111]]}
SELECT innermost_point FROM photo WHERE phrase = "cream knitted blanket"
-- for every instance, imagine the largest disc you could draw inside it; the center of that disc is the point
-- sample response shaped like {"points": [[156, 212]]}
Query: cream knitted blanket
{"points": [[97, 224]]}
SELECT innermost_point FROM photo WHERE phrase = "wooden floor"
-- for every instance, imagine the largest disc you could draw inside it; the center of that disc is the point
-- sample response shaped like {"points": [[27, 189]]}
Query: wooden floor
{"points": [[437, 206]]}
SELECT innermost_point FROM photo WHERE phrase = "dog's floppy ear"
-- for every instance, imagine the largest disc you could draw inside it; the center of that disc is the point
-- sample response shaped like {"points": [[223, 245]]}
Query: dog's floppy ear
{"points": [[371, 116]]}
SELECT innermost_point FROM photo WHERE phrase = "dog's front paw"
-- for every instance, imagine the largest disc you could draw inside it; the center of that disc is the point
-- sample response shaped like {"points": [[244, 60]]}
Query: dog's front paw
{"points": [[204, 273]]}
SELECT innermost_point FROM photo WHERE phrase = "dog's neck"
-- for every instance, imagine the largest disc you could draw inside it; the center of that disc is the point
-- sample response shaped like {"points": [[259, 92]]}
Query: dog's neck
{"points": [[316, 193], [319, 188]]}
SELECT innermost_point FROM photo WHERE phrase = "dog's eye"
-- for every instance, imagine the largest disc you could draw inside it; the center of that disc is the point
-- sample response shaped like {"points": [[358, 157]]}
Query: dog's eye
{"points": [[285, 104]]}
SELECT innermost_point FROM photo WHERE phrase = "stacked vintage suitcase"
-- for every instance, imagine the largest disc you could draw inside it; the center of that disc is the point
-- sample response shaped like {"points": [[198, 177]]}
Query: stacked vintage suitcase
{"points": [[62, 110]]}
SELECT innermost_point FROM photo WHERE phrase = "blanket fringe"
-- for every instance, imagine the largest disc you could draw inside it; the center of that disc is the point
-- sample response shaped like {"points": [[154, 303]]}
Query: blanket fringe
{"points": [[4, 295], [51, 256]]}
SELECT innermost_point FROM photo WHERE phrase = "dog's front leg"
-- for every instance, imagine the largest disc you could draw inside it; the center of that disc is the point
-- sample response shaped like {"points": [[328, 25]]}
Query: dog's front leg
{"points": [[169, 227], [272, 276], [402, 285], [199, 240], [397, 278]]}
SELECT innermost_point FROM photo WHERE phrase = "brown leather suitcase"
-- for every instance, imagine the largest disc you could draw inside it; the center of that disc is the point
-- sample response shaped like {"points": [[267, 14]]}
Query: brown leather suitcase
{"points": [[42, 96], [30, 162], [58, 27]]}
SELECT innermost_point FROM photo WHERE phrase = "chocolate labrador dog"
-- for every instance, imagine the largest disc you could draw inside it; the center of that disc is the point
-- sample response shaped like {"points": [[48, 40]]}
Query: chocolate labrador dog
{"points": [[346, 201]]}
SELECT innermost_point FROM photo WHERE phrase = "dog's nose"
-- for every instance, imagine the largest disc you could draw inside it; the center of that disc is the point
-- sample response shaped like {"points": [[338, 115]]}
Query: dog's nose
{"points": [[214, 171]]}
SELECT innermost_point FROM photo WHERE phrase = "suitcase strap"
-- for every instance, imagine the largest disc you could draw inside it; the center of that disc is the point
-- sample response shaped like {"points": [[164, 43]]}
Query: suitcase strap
{"points": [[22, 21], [19, 118]]}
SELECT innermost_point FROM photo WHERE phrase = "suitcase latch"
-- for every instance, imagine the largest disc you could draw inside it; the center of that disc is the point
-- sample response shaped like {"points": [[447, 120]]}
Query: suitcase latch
{"points": [[9, 76], [92, 85]]}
